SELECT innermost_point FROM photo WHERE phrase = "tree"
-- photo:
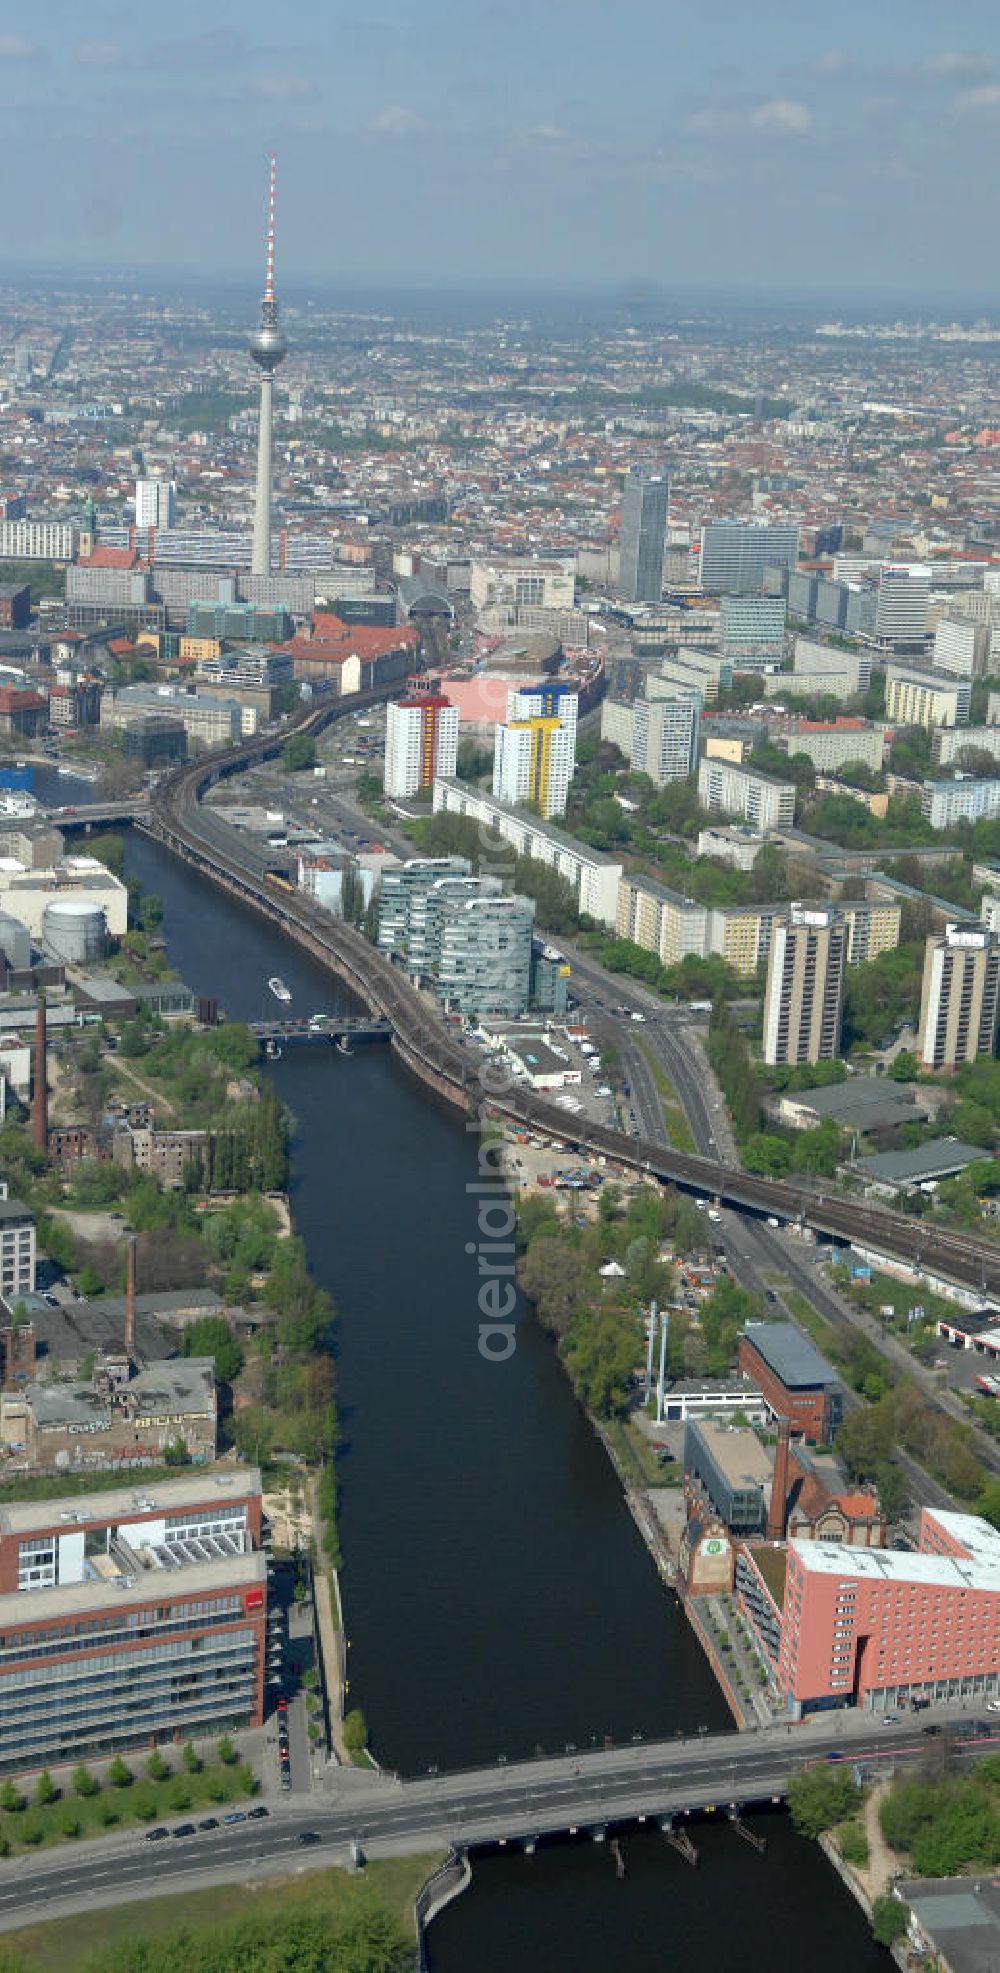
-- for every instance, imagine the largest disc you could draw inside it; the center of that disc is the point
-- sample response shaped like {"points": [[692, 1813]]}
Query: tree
{"points": [[156, 1766], [11, 1799], [298, 753], [119, 1773], [210, 1335], [821, 1795], [192, 1759], [355, 1731], [226, 1751], [45, 1789], [890, 1918], [84, 1783]]}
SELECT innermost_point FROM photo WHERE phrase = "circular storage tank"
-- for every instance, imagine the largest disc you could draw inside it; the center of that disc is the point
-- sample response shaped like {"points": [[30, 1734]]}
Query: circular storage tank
{"points": [[15, 943], [75, 930]]}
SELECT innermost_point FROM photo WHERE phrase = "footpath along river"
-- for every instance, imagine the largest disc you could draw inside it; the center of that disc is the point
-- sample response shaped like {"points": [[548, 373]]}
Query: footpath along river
{"points": [[497, 1594]]}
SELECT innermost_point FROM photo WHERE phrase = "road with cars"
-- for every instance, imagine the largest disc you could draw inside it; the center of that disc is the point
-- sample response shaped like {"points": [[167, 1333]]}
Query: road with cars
{"points": [[363, 1816]]}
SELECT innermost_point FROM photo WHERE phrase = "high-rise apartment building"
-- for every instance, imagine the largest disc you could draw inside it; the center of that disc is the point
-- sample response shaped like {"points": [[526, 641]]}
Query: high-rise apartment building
{"points": [[962, 646], [691, 670], [960, 996], [735, 554], [533, 764], [804, 1001], [551, 701], [752, 630], [727, 789], [403, 894], [665, 737], [421, 740], [155, 504], [645, 501], [902, 603]]}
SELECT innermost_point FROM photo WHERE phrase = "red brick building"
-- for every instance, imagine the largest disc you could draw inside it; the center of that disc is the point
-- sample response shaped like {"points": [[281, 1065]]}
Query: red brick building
{"points": [[796, 1381]]}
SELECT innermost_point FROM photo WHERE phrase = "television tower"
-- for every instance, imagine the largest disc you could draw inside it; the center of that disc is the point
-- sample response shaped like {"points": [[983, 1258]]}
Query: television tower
{"points": [[267, 349]]}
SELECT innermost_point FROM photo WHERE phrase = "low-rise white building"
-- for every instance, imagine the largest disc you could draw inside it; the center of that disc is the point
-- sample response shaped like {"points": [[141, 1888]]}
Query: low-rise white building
{"points": [[594, 878]]}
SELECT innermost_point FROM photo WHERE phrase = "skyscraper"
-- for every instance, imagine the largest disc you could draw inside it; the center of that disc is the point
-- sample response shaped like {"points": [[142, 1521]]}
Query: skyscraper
{"points": [[960, 997], [645, 499], [267, 349], [804, 1002]]}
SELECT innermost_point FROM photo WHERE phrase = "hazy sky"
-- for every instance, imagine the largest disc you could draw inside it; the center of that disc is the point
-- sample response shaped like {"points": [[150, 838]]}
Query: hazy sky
{"points": [[737, 143]]}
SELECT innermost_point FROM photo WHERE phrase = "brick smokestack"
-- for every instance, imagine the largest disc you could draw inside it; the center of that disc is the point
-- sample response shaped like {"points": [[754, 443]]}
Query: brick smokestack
{"points": [[130, 1296], [40, 1105], [779, 1484]]}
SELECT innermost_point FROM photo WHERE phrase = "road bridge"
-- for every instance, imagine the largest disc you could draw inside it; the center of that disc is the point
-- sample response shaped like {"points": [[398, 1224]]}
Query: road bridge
{"points": [[519, 1804], [440, 1056], [98, 814]]}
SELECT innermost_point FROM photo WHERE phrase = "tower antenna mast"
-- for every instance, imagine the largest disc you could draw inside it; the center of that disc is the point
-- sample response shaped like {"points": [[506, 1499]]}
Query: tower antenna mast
{"points": [[268, 348]]}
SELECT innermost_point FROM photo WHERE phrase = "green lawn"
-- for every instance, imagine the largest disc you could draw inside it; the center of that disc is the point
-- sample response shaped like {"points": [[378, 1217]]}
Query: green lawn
{"points": [[65, 1945], [638, 1456], [673, 1116], [822, 1332]]}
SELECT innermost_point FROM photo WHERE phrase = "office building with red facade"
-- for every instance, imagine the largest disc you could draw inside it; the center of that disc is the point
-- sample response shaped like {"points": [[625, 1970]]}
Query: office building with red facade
{"points": [[131, 1617], [878, 1627]]}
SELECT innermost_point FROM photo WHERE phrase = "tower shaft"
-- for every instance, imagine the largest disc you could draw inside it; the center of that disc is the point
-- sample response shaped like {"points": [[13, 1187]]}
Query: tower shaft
{"points": [[261, 563]]}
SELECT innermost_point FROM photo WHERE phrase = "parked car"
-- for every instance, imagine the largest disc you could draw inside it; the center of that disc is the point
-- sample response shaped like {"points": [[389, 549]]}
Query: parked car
{"points": [[156, 1835]]}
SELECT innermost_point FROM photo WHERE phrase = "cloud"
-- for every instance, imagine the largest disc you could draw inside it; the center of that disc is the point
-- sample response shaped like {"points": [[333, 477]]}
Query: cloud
{"points": [[833, 62], [102, 55], [781, 118], [284, 88], [986, 97], [17, 48], [395, 120], [958, 61], [778, 118]]}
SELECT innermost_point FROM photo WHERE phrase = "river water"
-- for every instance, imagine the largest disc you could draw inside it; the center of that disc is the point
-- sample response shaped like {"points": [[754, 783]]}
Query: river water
{"points": [[498, 1597]]}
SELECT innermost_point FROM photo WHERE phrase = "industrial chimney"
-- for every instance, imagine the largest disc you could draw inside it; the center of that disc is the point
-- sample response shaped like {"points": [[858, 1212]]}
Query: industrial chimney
{"points": [[40, 1105], [130, 1296], [779, 1484]]}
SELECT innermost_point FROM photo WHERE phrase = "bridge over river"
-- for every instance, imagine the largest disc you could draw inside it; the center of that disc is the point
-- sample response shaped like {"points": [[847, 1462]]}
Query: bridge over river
{"points": [[594, 1793]]}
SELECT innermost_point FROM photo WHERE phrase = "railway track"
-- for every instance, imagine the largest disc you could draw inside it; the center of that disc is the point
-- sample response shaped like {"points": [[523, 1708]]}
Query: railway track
{"points": [[177, 820]]}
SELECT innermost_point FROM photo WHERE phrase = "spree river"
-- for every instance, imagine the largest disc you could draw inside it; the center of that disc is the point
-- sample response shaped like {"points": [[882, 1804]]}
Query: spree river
{"points": [[497, 1595]]}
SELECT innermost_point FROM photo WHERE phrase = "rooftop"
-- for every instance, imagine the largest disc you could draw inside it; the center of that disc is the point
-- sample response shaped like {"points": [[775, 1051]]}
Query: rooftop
{"points": [[939, 1158], [979, 1568], [960, 1916], [40, 1606], [25, 1517], [789, 1354], [736, 1450], [185, 1386]]}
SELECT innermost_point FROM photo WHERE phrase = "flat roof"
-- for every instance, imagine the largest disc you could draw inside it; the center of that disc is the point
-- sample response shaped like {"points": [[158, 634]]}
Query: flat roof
{"points": [[890, 1102], [789, 1354], [38, 1606], [24, 1517], [979, 1569], [186, 1385], [736, 1450], [938, 1158], [960, 1916]]}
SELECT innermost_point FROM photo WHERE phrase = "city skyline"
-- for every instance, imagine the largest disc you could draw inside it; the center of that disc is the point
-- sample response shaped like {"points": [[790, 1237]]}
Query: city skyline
{"points": [[431, 151]]}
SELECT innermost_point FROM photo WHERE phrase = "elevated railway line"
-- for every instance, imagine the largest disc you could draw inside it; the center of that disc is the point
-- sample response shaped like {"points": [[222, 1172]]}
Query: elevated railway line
{"points": [[438, 1054]]}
